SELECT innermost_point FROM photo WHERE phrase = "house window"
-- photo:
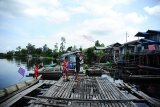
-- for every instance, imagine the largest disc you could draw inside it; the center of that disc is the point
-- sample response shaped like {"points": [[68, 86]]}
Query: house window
{"points": [[145, 47], [138, 49], [72, 58]]}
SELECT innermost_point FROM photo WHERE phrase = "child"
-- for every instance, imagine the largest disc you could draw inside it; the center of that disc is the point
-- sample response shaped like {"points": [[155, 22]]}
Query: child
{"points": [[36, 71], [65, 69]]}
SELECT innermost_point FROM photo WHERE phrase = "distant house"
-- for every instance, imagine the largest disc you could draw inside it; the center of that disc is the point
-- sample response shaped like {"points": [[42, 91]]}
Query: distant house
{"points": [[113, 51], [145, 50], [151, 40], [127, 48], [154, 35], [150, 43], [97, 49]]}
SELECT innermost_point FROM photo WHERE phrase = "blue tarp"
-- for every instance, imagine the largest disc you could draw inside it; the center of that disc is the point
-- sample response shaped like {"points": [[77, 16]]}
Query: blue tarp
{"points": [[71, 65]]}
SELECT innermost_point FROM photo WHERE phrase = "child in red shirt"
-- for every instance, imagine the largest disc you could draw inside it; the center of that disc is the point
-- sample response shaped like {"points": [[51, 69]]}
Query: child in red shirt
{"points": [[65, 69], [36, 71]]}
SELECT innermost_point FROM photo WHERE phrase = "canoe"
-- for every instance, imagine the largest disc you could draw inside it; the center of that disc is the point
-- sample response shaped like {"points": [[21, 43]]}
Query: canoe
{"points": [[50, 65], [4, 92]]}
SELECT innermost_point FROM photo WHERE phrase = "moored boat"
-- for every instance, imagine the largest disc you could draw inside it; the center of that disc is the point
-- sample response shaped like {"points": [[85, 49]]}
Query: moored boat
{"points": [[9, 91]]}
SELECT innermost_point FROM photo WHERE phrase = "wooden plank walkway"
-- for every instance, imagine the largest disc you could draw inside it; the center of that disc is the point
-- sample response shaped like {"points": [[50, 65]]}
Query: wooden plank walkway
{"points": [[87, 92]]}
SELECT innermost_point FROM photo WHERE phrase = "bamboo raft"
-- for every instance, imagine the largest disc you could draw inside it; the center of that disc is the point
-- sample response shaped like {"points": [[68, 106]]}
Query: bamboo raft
{"points": [[87, 92]]}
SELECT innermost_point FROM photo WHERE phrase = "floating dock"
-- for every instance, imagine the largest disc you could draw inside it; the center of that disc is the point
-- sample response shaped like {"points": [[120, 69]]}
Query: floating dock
{"points": [[86, 92]]}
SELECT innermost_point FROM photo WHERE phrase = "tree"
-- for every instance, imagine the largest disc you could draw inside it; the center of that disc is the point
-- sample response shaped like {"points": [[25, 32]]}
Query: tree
{"points": [[48, 52], [55, 47], [97, 43], [38, 51], [9, 54], [55, 51], [102, 45], [62, 46], [90, 54], [23, 52], [19, 50], [80, 49], [45, 48], [100, 54], [30, 48]]}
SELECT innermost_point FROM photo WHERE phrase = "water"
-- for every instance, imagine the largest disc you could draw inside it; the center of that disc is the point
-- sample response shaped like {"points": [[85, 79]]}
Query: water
{"points": [[111, 79], [149, 88], [9, 69], [125, 92]]}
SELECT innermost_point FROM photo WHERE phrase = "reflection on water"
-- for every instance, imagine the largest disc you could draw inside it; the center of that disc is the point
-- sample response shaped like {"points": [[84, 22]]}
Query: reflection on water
{"points": [[150, 89], [111, 79], [9, 69]]}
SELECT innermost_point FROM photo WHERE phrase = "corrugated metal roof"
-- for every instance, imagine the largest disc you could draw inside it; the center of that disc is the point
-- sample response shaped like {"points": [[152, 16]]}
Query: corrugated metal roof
{"points": [[153, 31], [142, 34], [70, 53], [100, 48], [148, 40], [131, 42], [114, 44]]}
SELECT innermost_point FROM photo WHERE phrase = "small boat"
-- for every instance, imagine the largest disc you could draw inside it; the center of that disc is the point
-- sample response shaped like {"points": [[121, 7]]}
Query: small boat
{"points": [[50, 65], [10, 90]]}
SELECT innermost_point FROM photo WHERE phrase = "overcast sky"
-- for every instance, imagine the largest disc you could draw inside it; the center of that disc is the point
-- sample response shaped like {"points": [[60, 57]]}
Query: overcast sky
{"points": [[81, 22]]}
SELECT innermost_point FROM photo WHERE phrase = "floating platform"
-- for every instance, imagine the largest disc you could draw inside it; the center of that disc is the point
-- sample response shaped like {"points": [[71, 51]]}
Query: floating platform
{"points": [[86, 92], [94, 72], [49, 75]]}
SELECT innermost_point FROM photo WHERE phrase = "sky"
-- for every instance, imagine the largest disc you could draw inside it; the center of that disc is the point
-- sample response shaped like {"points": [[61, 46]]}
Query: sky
{"points": [[81, 22]]}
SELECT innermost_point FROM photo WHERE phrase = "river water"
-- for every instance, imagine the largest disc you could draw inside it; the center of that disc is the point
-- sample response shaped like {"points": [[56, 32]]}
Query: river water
{"points": [[9, 69], [9, 74]]}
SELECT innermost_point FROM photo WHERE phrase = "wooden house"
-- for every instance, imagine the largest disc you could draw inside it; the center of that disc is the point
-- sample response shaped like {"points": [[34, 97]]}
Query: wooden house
{"points": [[113, 51], [144, 51], [151, 40]]}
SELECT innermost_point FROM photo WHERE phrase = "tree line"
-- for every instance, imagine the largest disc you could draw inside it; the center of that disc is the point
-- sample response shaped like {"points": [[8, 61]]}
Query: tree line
{"points": [[43, 51]]}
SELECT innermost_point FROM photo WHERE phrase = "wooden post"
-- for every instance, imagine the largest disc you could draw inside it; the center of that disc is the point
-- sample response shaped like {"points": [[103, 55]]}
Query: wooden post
{"points": [[158, 59], [147, 59]]}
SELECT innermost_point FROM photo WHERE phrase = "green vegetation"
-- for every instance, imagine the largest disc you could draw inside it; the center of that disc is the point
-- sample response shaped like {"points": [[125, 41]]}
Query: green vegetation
{"points": [[43, 51], [85, 66], [109, 64], [56, 52], [90, 55], [97, 44], [100, 54]]}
